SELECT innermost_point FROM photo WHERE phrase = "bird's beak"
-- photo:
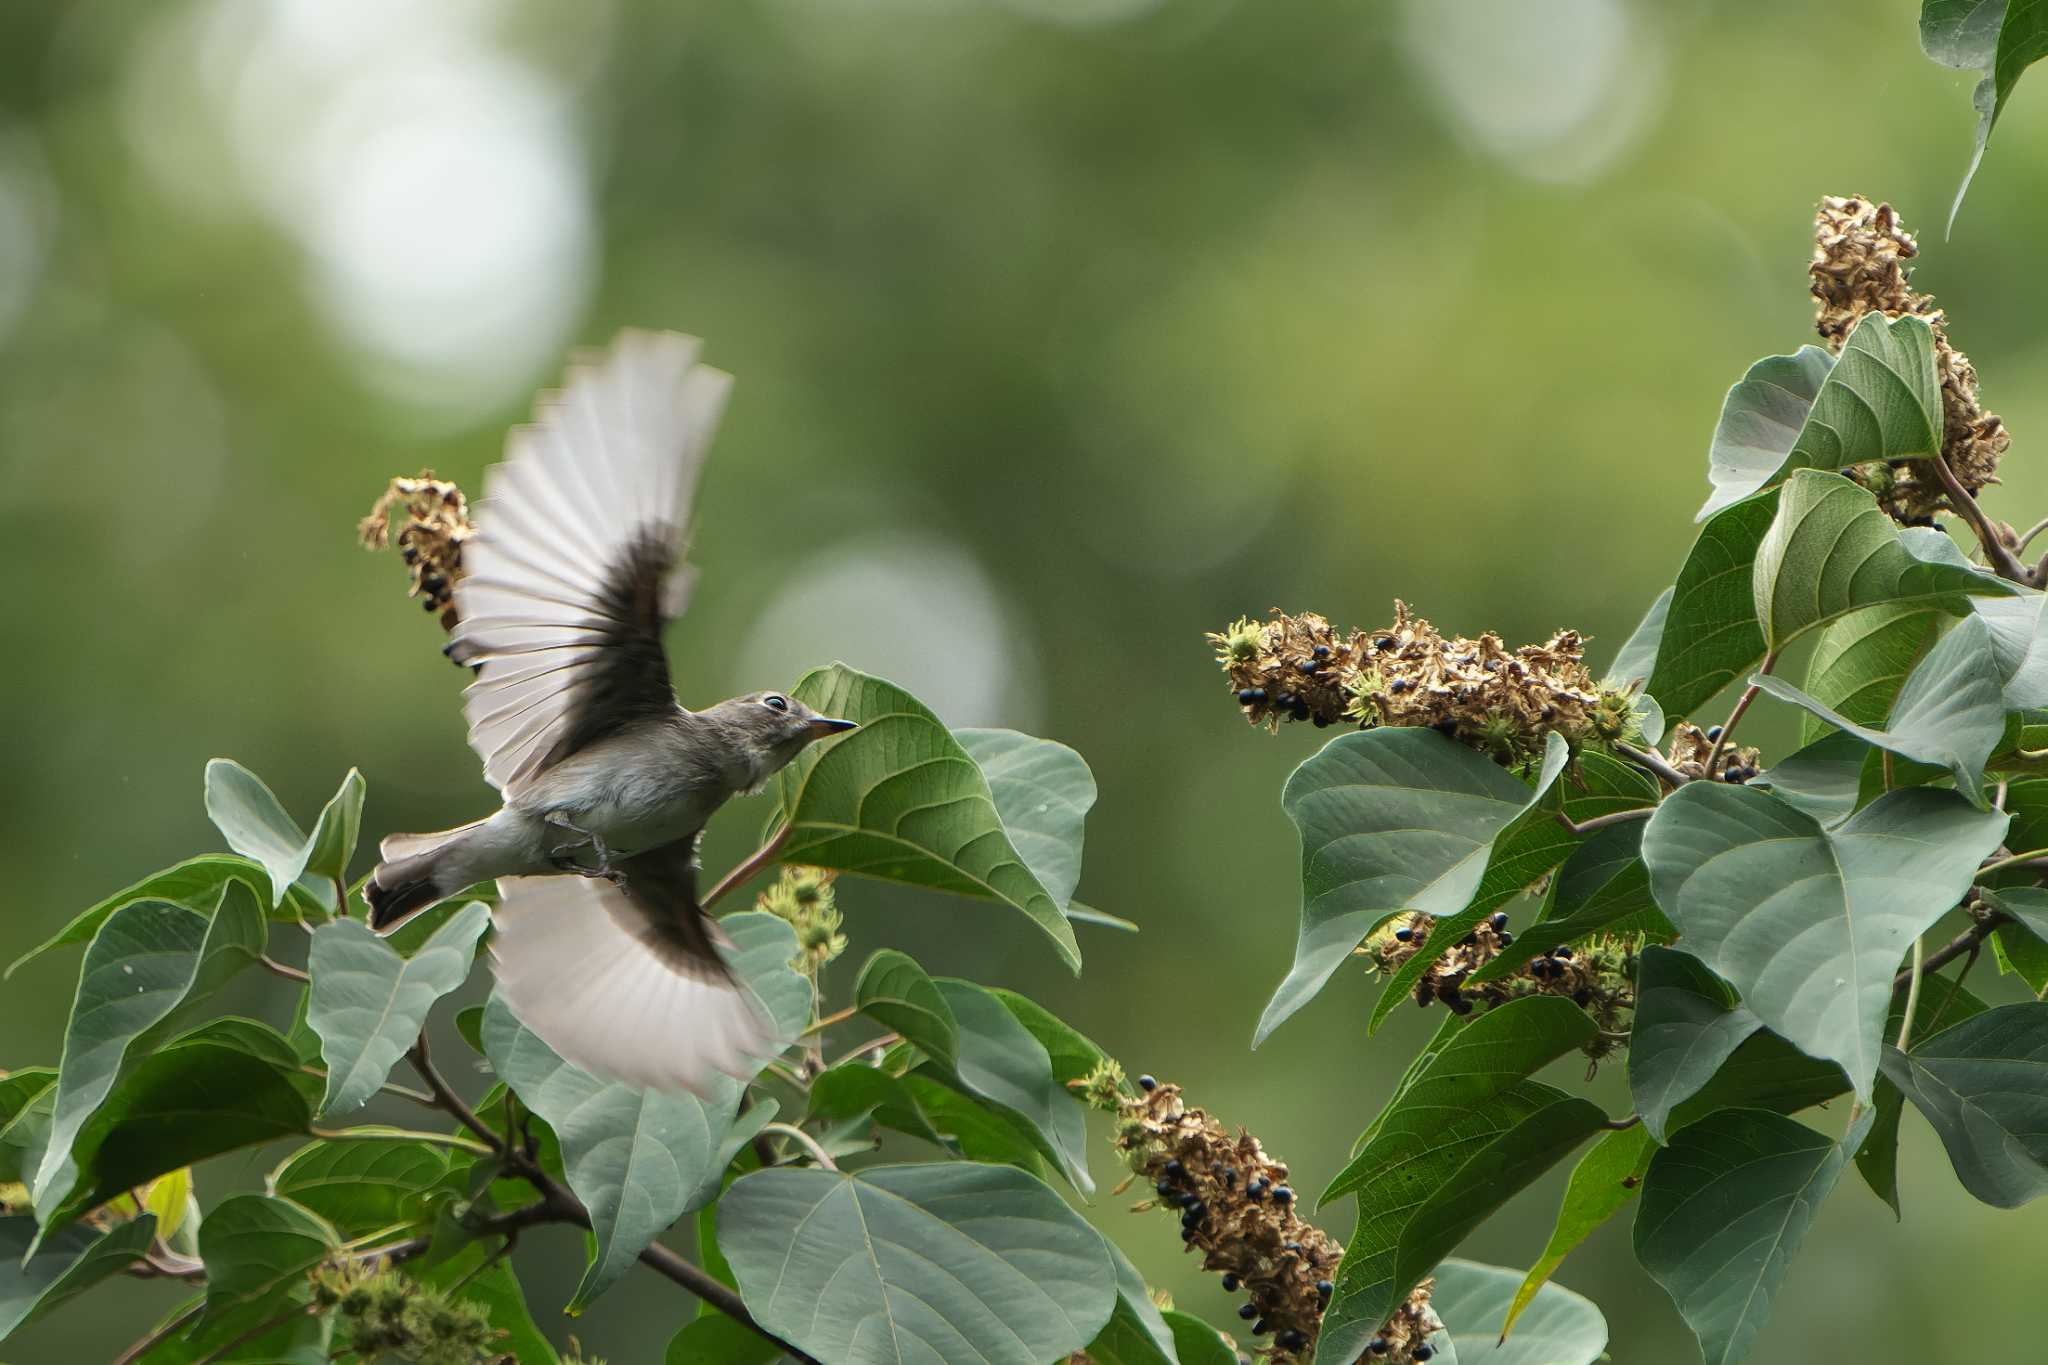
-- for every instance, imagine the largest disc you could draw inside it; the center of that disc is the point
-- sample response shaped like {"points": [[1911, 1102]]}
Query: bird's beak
{"points": [[822, 726]]}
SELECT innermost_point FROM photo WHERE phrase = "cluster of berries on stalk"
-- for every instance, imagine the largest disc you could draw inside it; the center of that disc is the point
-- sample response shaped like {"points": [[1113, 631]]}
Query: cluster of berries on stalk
{"points": [[1597, 975], [1859, 267], [1480, 693], [381, 1314], [1238, 1212], [435, 524]]}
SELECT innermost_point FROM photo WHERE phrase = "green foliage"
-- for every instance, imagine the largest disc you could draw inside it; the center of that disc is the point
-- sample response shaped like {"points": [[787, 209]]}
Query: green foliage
{"points": [[1687, 1023], [1557, 1327], [2001, 39], [951, 1261], [902, 800], [1980, 1083]]}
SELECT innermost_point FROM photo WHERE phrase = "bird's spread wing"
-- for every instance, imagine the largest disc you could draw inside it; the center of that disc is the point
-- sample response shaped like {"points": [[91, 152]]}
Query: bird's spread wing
{"points": [[630, 983], [576, 563]]}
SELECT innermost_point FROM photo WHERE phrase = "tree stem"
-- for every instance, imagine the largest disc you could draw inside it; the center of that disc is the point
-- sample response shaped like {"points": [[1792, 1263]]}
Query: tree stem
{"points": [[805, 1140], [753, 863], [1996, 554], [1735, 717]]}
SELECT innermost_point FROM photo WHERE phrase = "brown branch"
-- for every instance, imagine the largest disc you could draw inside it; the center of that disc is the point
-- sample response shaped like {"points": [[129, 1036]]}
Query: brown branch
{"points": [[1735, 717], [1969, 941], [1655, 762], [1996, 553], [753, 863]]}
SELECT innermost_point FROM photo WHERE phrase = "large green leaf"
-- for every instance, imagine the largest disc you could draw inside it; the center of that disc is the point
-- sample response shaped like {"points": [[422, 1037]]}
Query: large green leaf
{"points": [[195, 1099], [640, 1159], [1605, 1179], [1711, 635], [1810, 923], [1602, 888], [1831, 550], [1043, 791], [1824, 779], [1527, 847], [981, 1131], [258, 1250], [65, 1263], [1389, 820], [1983, 1084], [1762, 420], [1861, 660], [147, 963], [1687, 1023], [1880, 401], [720, 1340], [1492, 1054], [1638, 654], [1724, 1210], [901, 800], [195, 884], [1001, 1062], [1135, 1334], [1558, 1327], [1073, 1054], [1942, 1002], [368, 1004], [2000, 38], [256, 825], [1948, 714], [902, 1264], [26, 1100], [855, 1090], [1410, 1218], [2019, 643], [895, 992], [362, 1185]]}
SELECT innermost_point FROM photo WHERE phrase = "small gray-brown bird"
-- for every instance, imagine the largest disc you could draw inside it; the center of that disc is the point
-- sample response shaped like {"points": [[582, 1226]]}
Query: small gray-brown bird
{"points": [[573, 571]]}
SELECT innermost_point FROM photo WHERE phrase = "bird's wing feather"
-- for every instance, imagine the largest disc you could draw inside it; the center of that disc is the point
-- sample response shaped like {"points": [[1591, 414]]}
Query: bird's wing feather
{"points": [[575, 566], [630, 983]]}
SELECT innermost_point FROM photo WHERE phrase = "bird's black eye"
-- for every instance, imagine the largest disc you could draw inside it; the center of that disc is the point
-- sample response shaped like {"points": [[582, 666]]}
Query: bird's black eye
{"points": [[775, 701]]}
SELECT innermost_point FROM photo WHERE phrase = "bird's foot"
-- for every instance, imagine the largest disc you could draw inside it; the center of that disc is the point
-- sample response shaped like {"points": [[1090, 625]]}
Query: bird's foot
{"points": [[568, 857]]}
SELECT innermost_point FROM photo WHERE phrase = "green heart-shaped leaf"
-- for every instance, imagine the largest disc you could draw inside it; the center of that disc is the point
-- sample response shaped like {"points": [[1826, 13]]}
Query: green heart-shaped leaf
{"points": [[1983, 1084], [1810, 923], [1559, 1327]]}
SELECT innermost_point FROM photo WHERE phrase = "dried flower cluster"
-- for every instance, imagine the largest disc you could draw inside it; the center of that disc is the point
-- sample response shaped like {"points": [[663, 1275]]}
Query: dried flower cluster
{"points": [[1480, 693], [1238, 1211], [381, 1314], [1598, 975], [1859, 266], [1691, 746], [803, 896], [436, 524]]}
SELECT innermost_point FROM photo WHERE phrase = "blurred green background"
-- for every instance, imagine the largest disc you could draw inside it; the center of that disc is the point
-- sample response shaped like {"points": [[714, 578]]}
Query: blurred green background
{"points": [[1065, 330]]}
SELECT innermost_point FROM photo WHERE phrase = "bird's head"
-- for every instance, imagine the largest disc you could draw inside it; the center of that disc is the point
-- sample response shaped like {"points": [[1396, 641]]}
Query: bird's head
{"points": [[771, 728]]}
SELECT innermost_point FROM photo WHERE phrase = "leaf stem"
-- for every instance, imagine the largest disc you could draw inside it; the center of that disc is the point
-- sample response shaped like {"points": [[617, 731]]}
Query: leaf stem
{"points": [[1996, 554], [2025, 540], [1621, 1125], [1919, 970], [1735, 716], [753, 863], [2016, 860], [381, 1134], [805, 1140], [159, 1336], [1654, 761], [884, 1041], [837, 1017], [1619, 817], [276, 968]]}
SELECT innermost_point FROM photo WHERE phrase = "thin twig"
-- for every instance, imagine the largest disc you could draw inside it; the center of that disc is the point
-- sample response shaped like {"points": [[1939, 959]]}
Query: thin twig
{"points": [[753, 863], [1914, 976], [276, 968], [1734, 717], [1962, 943], [1654, 761], [404, 1092], [2036, 529], [449, 1100], [159, 1336], [870, 1045], [1955, 989], [1621, 1125], [269, 1325], [1619, 817], [2001, 559], [2016, 860], [803, 1139], [837, 1017]]}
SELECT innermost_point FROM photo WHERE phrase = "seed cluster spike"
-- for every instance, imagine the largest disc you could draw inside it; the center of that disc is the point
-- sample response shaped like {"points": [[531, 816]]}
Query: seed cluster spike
{"points": [[1597, 974], [1691, 746], [1859, 266], [436, 523], [1238, 1212], [1480, 693]]}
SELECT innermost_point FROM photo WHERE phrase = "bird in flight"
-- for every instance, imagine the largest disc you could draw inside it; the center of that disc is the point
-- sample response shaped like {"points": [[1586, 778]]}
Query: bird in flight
{"points": [[606, 780]]}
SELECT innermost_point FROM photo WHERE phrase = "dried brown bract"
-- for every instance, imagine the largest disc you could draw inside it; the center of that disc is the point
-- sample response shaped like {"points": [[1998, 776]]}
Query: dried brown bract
{"points": [[1238, 1211], [436, 523], [1690, 747], [1499, 701], [1859, 266]]}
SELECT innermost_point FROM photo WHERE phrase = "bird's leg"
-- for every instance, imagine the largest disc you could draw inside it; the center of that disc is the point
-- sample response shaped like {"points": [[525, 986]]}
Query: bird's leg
{"points": [[564, 855]]}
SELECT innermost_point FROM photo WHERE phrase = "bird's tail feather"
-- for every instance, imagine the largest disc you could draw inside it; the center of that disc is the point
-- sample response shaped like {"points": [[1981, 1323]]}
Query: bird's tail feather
{"points": [[411, 876]]}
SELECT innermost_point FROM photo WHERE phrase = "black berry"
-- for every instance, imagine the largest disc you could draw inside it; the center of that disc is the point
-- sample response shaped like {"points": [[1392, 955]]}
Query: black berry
{"points": [[1175, 1169], [1506, 938], [1290, 1340], [1308, 667], [1247, 696], [1325, 1288], [1499, 920], [1247, 1311], [1282, 1195], [1230, 1283], [1379, 1346], [1398, 686], [1384, 642], [1259, 1328], [1166, 1190], [1321, 651], [1564, 953], [1147, 1083], [1713, 733], [1422, 1353], [1403, 935]]}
